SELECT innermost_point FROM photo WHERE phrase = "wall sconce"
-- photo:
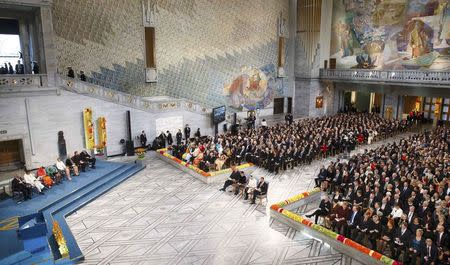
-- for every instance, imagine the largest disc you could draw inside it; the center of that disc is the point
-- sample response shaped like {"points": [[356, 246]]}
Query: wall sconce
{"points": [[319, 102]]}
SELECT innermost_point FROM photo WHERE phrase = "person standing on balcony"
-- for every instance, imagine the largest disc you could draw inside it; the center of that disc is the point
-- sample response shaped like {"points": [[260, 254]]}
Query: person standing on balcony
{"points": [[187, 132], [35, 68], [70, 72], [82, 76], [20, 69], [11, 70], [143, 139]]}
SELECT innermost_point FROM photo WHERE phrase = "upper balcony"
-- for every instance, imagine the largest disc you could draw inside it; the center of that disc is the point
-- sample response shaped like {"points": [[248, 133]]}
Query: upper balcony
{"points": [[398, 77], [25, 85]]}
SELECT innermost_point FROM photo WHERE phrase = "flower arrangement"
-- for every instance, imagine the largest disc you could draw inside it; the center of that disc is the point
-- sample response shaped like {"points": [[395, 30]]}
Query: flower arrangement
{"points": [[140, 152], [278, 207], [163, 151]]}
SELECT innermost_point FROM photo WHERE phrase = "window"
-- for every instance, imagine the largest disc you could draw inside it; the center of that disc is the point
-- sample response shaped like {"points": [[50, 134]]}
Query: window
{"points": [[9, 49], [150, 61]]}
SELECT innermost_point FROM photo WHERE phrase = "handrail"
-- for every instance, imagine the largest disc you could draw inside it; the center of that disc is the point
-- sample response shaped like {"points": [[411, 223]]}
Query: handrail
{"points": [[129, 100], [436, 78]]}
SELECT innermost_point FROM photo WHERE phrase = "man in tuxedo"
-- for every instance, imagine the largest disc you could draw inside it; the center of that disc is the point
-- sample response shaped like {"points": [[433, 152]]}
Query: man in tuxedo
{"points": [[234, 178], [354, 220], [88, 158], [411, 214], [429, 253], [179, 137], [143, 139], [169, 138], [79, 162], [401, 240], [441, 238], [261, 189], [187, 133]]}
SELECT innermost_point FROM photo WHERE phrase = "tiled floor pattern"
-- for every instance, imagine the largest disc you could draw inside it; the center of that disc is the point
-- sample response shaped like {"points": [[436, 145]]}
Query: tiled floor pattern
{"points": [[164, 216]]}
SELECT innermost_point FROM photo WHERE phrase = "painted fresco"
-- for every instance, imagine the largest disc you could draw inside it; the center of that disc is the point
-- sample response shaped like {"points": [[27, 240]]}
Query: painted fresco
{"points": [[254, 88], [391, 34]]}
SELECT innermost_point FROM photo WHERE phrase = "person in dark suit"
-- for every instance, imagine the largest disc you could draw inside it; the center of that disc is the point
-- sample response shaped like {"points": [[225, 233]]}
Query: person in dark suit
{"points": [[179, 137], [234, 178], [354, 220], [169, 138], [429, 253], [402, 239], [143, 139], [187, 133], [77, 159], [19, 185], [324, 209], [261, 189], [70, 72], [88, 158], [82, 76], [442, 239]]}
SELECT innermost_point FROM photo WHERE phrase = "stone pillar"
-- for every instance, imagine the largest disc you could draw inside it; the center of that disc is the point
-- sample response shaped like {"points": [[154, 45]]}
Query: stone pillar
{"points": [[290, 63], [25, 44], [48, 44]]}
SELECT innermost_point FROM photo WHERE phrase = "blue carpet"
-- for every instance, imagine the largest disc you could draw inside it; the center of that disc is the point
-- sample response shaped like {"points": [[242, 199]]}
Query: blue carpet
{"points": [[62, 200]]}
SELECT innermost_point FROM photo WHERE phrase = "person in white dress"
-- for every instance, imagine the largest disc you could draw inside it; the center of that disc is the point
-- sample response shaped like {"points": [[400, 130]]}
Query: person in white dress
{"points": [[29, 178], [251, 186], [62, 168]]}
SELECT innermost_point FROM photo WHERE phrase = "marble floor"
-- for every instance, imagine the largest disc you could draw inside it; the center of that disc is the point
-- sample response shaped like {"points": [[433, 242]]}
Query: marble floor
{"points": [[164, 216]]}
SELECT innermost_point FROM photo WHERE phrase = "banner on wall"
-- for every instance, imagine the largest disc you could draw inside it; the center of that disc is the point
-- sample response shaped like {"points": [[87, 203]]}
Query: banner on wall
{"points": [[101, 131], [88, 129]]}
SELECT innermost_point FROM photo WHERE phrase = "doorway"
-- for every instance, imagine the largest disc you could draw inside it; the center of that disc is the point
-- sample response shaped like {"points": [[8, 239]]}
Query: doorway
{"points": [[11, 155], [278, 105]]}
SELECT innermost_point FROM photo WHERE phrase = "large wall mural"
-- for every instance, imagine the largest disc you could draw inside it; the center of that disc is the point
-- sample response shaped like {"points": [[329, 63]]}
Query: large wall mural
{"points": [[391, 34], [254, 88]]}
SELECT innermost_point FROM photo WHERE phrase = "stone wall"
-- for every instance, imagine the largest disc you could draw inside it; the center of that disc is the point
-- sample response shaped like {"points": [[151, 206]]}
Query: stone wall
{"points": [[200, 44], [49, 114]]}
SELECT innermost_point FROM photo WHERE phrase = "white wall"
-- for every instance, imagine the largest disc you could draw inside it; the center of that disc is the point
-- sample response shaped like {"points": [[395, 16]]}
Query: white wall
{"points": [[50, 114]]}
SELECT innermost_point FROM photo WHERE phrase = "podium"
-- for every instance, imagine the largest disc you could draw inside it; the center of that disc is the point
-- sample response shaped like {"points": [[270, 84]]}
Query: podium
{"points": [[33, 232]]}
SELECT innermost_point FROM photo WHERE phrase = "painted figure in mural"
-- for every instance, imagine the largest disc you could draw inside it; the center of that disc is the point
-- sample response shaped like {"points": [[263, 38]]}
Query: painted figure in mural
{"points": [[346, 39], [249, 89], [418, 39]]}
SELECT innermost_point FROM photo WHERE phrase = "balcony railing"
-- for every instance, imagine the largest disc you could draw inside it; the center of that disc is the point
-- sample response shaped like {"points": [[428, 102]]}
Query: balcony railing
{"points": [[129, 100], [23, 81], [408, 77]]}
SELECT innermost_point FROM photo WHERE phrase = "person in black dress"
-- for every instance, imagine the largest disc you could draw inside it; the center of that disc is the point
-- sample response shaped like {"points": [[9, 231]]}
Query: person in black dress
{"points": [[20, 186], [324, 209]]}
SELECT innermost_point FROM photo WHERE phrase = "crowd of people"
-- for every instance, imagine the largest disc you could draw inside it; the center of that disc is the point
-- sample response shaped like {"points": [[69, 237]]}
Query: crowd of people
{"points": [[45, 178], [394, 199], [18, 69], [285, 145]]}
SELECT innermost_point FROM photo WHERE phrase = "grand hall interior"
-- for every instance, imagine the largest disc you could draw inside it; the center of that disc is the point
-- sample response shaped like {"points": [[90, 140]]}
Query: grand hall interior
{"points": [[312, 132]]}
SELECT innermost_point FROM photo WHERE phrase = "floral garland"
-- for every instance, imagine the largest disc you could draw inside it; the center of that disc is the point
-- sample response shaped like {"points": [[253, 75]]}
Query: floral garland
{"points": [[163, 151], [278, 207], [60, 240]]}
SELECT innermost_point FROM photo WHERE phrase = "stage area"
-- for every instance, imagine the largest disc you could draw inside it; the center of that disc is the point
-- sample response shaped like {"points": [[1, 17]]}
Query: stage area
{"points": [[60, 201]]}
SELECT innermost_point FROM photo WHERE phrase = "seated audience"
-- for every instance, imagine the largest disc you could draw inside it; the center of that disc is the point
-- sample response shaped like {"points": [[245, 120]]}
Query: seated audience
{"points": [[300, 142], [403, 190]]}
